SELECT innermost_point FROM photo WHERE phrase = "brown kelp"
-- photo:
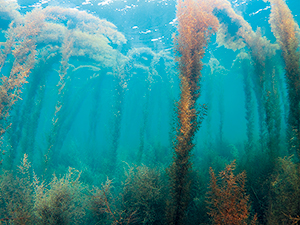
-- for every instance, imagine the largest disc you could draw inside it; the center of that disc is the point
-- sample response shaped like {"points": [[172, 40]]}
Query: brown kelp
{"points": [[72, 94], [286, 31], [21, 44], [195, 25], [228, 202], [264, 78], [284, 204]]}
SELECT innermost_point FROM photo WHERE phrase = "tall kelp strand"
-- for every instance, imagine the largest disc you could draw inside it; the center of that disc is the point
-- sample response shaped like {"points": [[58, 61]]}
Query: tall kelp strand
{"points": [[196, 23], [22, 45], [236, 33], [34, 44], [257, 61], [286, 31], [285, 187]]}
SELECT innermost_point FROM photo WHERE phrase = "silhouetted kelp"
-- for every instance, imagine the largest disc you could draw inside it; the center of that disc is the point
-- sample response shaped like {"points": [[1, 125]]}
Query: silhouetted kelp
{"points": [[243, 63], [216, 77]]}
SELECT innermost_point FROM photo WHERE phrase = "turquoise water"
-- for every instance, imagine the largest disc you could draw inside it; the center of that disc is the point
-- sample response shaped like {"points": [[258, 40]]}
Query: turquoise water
{"points": [[95, 86]]}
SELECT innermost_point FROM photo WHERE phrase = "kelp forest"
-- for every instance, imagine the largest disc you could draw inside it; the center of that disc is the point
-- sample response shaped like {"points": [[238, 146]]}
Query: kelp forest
{"points": [[96, 131]]}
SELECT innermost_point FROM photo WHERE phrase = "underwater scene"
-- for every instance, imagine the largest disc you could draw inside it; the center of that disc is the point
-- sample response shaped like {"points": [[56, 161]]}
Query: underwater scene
{"points": [[150, 112]]}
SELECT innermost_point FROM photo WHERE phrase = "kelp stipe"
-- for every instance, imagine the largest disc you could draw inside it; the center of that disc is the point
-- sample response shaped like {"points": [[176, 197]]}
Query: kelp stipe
{"points": [[196, 23], [22, 37], [139, 64], [262, 72], [284, 206], [77, 39], [264, 76], [33, 103], [217, 72], [286, 31], [243, 63], [66, 52], [120, 88]]}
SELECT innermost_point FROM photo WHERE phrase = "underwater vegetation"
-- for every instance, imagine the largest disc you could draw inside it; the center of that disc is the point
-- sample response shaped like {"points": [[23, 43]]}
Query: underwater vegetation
{"points": [[93, 131], [193, 35]]}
